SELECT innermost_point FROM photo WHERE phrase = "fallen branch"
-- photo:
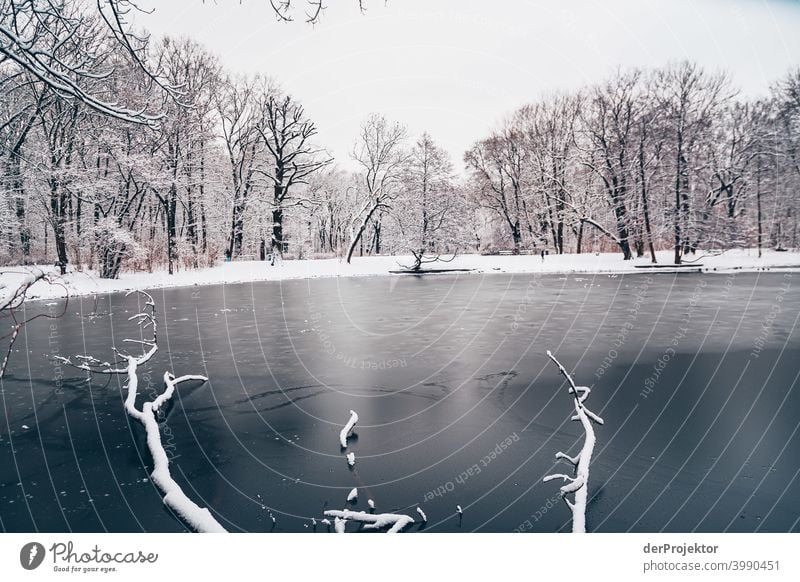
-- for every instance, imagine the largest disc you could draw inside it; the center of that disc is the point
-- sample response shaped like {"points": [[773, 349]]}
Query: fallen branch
{"points": [[197, 518], [579, 484], [394, 521], [348, 429], [13, 298]]}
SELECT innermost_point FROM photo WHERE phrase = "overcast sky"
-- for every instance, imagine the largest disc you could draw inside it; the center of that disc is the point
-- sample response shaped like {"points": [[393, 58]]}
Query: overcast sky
{"points": [[457, 67]]}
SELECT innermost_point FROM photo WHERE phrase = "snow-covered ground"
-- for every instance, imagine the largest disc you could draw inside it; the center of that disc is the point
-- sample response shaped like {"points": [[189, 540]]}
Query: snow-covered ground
{"points": [[86, 283]]}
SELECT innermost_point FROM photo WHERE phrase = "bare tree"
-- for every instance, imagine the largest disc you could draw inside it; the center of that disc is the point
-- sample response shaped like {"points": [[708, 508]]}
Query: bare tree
{"points": [[734, 157], [610, 118], [428, 205], [333, 194], [19, 112], [649, 146], [786, 93], [239, 121], [786, 136], [188, 65], [287, 134], [379, 151], [549, 128], [59, 124], [689, 98], [498, 165]]}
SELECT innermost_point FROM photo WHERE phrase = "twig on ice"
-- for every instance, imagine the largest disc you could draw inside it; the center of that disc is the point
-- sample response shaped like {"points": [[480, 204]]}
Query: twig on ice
{"points": [[395, 522], [578, 484], [12, 298], [196, 517], [348, 429], [339, 524], [573, 460]]}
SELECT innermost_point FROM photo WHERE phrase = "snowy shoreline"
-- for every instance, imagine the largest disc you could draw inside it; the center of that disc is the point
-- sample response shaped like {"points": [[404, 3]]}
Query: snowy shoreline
{"points": [[88, 283]]}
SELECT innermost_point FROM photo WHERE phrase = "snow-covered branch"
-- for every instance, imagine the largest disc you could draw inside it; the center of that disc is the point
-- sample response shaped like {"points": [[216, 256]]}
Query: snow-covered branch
{"points": [[196, 517], [53, 46], [12, 296], [578, 484], [394, 521], [348, 429]]}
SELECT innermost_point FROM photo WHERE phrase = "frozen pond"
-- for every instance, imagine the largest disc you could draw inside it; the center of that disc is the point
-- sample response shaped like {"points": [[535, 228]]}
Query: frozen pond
{"points": [[694, 374]]}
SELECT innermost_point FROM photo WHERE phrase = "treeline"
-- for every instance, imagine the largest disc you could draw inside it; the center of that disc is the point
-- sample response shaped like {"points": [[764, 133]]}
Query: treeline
{"points": [[646, 160], [160, 158]]}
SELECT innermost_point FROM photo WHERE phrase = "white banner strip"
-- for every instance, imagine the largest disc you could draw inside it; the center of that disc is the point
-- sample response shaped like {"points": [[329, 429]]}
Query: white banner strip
{"points": [[122, 557]]}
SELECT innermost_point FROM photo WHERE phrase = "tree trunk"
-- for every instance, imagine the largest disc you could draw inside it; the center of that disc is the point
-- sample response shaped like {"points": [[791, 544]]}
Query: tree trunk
{"points": [[377, 237], [560, 224], [203, 224], [517, 236], [58, 209], [191, 222], [758, 205], [647, 227], [277, 232], [358, 236], [17, 194], [78, 231], [170, 209], [622, 228], [236, 235], [678, 174], [24, 231], [645, 201]]}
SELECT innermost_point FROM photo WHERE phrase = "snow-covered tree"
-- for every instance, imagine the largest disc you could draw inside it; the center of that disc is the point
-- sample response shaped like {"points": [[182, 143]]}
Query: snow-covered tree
{"points": [[690, 99], [380, 151], [240, 117], [291, 157], [497, 167], [427, 209]]}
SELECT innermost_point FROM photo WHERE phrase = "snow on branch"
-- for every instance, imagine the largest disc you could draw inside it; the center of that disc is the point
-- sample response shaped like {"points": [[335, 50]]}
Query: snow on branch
{"points": [[394, 521], [196, 517], [145, 320], [579, 484], [67, 46], [12, 297], [339, 525], [348, 429], [283, 10]]}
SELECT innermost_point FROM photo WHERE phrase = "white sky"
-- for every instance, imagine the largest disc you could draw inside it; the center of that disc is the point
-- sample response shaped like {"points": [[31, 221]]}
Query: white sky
{"points": [[456, 67]]}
